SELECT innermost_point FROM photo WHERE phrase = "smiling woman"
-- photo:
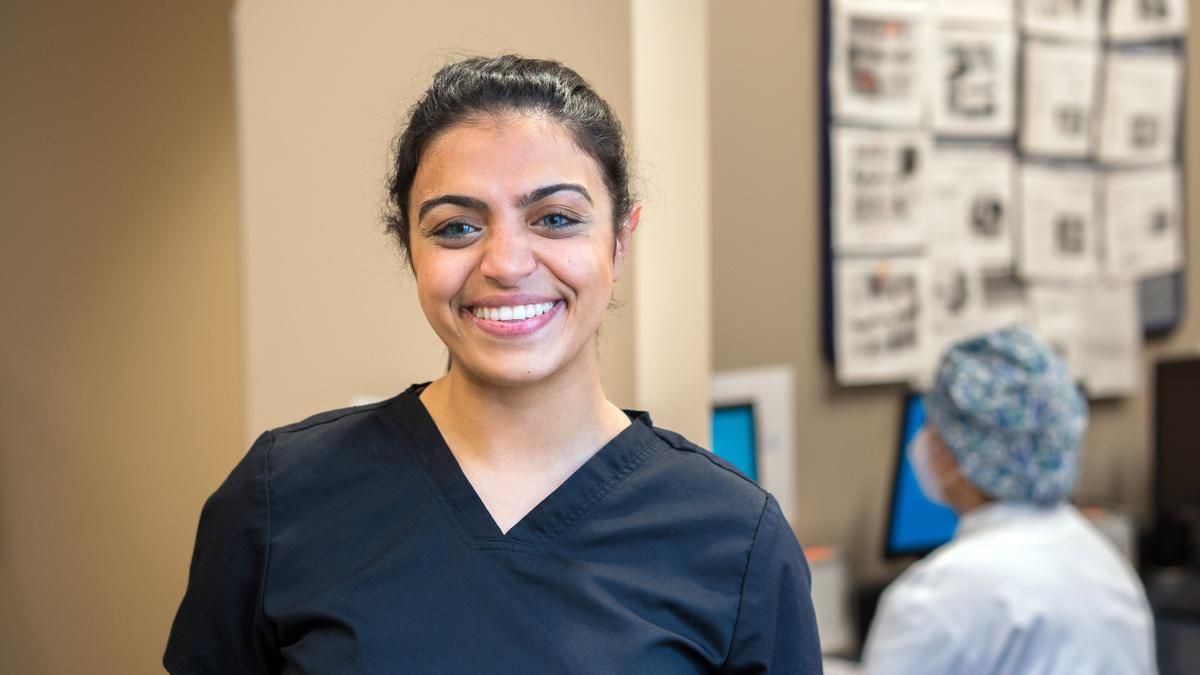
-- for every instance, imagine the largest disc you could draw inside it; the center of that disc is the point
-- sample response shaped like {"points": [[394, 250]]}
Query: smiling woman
{"points": [[507, 219], [506, 517]]}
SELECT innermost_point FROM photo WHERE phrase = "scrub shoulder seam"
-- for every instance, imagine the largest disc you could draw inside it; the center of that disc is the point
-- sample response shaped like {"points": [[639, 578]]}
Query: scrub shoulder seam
{"points": [[678, 442], [329, 417]]}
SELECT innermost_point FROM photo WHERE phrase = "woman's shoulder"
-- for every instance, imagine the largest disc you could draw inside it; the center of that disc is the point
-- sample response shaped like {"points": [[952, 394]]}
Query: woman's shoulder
{"points": [[331, 421], [687, 451], [332, 431], [686, 469], [327, 446]]}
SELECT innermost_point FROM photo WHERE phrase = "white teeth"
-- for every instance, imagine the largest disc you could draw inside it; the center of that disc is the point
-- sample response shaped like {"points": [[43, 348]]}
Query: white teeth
{"points": [[512, 313]]}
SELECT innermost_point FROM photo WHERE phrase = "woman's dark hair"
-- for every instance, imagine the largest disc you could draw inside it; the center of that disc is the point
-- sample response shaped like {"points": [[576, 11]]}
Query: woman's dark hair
{"points": [[503, 85]]}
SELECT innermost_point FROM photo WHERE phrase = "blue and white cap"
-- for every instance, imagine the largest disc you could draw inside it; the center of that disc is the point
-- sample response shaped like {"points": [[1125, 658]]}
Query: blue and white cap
{"points": [[1008, 409]]}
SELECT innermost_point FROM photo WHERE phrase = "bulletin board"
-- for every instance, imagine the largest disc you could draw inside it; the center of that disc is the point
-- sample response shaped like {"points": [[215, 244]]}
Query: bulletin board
{"points": [[996, 161]]}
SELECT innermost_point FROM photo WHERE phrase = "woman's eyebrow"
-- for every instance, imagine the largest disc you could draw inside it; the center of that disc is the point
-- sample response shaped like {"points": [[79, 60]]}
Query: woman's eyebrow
{"points": [[543, 192], [455, 200]]}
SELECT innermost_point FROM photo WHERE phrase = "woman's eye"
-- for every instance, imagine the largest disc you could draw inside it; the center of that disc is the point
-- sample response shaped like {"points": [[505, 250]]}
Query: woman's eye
{"points": [[456, 230], [556, 221]]}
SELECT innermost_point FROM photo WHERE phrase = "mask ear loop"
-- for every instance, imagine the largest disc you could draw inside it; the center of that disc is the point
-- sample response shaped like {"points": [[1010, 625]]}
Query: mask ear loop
{"points": [[933, 484], [920, 461], [957, 471]]}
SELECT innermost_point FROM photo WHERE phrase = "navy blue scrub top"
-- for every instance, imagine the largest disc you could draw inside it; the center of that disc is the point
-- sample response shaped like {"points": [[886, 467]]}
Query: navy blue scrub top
{"points": [[353, 543]]}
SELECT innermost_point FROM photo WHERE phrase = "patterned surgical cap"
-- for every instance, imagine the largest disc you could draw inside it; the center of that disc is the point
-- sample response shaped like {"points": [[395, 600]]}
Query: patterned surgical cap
{"points": [[1008, 409]]}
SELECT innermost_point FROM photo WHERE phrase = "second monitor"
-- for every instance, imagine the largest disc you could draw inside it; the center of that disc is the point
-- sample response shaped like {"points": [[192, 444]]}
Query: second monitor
{"points": [[734, 437], [916, 524]]}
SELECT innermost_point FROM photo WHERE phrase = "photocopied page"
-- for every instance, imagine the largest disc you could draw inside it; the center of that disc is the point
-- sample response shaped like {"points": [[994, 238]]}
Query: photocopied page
{"points": [[878, 62], [973, 82], [1005, 300], [1059, 94], [1138, 20], [1062, 19], [1055, 310], [1143, 218], [879, 313], [954, 304], [970, 201], [878, 189], [1058, 222], [1138, 118], [1110, 338]]}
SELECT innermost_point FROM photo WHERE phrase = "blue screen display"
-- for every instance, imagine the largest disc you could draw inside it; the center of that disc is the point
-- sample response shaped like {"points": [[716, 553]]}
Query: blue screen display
{"points": [[917, 524], [733, 437]]}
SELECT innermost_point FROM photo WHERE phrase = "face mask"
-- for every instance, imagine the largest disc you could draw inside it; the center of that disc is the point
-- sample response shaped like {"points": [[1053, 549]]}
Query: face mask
{"points": [[919, 451]]}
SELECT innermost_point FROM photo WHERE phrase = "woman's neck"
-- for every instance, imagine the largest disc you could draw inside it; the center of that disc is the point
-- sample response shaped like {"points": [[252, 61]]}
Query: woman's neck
{"points": [[562, 419], [516, 445]]}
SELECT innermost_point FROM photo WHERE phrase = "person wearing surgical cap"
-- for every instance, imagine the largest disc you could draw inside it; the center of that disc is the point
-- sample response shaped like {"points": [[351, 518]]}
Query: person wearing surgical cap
{"points": [[1027, 585]]}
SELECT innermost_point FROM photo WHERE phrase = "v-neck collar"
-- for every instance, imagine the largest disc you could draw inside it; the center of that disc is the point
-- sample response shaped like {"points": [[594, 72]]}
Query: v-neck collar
{"points": [[561, 509]]}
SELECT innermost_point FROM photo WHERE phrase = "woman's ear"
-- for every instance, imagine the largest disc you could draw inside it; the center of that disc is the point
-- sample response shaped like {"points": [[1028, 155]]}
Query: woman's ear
{"points": [[625, 238]]}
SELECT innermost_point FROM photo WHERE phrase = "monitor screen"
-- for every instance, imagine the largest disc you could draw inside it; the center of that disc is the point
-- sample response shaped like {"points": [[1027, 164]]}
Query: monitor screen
{"points": [[916, 525], [1176, 460], [733, 437]]}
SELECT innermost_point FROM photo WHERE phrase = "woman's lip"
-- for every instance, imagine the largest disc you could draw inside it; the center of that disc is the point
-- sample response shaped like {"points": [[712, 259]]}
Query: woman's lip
{"points": [[514, 328]]}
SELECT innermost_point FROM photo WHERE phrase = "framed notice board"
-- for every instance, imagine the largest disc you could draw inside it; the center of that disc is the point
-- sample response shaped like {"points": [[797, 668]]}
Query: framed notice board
{"points": [[997, 161]]}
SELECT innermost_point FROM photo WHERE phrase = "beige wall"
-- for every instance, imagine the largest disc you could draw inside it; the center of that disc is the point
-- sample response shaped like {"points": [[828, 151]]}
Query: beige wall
{"points": [[767, 282], [673, 345], [329, 312], [120, 375]]}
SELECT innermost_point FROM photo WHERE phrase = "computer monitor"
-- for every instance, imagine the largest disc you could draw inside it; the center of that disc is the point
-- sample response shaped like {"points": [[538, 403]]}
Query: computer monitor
{"points": [[916, 525], [1176, 448], [734, 438]]}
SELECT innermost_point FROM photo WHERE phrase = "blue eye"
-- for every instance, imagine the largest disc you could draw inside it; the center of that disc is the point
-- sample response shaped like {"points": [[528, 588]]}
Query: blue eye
{"points": [[556, 221], [456, 230]]}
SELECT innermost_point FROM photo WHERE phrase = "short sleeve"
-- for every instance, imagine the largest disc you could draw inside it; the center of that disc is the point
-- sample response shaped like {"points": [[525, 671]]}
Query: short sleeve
{"points": [[220, 627], [776, 629]]}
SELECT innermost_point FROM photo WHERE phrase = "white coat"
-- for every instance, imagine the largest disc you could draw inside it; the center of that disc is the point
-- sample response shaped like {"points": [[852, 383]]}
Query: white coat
{"points": [[1021, 590]]}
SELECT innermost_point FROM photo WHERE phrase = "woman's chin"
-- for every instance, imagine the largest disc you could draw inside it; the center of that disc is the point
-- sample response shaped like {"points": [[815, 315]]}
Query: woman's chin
{"points": [[503, 375], [512, 372]]}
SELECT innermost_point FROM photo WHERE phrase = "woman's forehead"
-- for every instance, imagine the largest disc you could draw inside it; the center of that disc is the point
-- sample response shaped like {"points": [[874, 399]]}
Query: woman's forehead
{"points": [[504, 156]]}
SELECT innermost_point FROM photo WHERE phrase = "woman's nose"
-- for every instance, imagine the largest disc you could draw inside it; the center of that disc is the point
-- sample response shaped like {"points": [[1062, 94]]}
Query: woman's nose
{"points": [[508, 253]]}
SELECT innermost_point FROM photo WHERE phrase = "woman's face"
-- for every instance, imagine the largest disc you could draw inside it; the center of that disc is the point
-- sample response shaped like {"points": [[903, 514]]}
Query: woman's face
{"points": [[513, 248]]}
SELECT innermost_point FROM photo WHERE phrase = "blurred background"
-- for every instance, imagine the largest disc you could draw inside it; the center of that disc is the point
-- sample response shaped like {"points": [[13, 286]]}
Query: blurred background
{"points": [[192, 252]]}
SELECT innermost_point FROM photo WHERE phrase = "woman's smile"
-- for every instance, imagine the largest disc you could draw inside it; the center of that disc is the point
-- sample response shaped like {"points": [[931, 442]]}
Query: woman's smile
{"points": [[513, 317]]}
